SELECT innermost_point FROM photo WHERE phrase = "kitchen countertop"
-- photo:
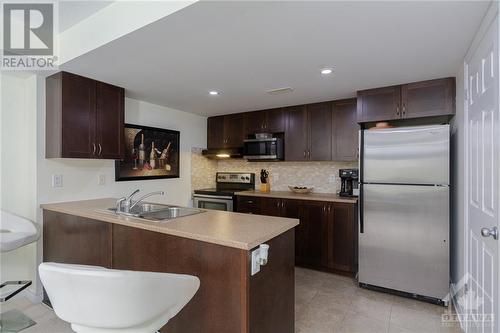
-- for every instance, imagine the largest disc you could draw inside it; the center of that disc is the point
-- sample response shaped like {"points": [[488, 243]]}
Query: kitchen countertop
{"points": [[242, 231], [331, 197]]}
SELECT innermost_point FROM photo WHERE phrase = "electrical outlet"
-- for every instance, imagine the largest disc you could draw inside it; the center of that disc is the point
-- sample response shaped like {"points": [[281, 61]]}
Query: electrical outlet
{"points": [[57, 181], [276, 177], [332, 178], [255, 261], [101, 180]]}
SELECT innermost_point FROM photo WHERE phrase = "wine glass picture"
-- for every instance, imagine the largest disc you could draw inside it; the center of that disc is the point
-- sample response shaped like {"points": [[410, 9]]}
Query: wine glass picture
{"points": [[151, 153]]}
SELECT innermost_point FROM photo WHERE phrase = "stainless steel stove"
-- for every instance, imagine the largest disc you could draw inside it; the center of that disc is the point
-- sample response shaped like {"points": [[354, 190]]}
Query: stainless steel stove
{"points": [[222, 197]]}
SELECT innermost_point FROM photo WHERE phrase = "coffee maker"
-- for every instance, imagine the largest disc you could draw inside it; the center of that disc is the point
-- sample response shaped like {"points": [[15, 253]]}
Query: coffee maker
{"points": [[349, 185]]}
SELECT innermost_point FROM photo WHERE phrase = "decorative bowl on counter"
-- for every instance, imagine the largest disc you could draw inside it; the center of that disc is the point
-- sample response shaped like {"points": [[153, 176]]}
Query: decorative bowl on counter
{"points": [[300, 189]]}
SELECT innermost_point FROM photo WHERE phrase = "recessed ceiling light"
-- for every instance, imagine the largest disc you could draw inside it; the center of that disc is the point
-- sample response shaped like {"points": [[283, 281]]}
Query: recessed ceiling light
{"points": [[326, 71], [213, 92]]}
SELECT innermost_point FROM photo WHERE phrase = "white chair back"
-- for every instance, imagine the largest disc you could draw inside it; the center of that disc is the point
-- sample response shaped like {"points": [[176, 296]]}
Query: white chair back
{"points": [[94, 296]]}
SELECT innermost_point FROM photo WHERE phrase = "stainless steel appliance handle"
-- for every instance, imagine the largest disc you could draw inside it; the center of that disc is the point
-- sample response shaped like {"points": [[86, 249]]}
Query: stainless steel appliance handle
{"points": [[360, 183], [212, 196], [260, 140], [360, 215], [260, 157]]}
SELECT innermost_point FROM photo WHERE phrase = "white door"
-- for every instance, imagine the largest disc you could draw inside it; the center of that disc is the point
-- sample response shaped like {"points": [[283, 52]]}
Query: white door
{"points": [[482, 171]]}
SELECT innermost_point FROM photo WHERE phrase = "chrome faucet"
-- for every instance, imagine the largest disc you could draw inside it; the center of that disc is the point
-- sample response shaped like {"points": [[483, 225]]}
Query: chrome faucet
{"points": [[124, 204]]}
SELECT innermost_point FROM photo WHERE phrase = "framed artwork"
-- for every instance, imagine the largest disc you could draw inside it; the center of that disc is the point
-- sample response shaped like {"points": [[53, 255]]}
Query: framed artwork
{"points": [[150, 153]]}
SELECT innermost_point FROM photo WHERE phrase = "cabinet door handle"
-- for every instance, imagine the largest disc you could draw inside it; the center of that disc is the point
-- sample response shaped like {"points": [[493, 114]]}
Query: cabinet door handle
{"points": [[250, 202], [278, 204], [100, 150], [282, 204], [324, 208], [305, 154], [329, 208], [404, 109], [93, 148], [309, 153]]}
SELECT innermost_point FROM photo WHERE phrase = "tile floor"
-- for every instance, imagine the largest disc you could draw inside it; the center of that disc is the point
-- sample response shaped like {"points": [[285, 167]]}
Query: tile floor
{"points": [[324, 303]]}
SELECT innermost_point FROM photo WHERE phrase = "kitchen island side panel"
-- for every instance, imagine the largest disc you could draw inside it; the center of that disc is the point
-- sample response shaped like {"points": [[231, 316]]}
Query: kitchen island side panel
{"points": [[219, 304], [229, 299]]}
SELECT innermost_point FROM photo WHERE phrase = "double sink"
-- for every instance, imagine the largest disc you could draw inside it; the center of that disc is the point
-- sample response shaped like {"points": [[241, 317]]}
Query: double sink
{"points": [[157, 212]]}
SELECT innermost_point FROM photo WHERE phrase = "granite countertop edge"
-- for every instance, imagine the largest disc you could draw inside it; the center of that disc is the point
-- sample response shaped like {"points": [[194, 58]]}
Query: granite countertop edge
{"points": [[330, 197], [95, 210]]}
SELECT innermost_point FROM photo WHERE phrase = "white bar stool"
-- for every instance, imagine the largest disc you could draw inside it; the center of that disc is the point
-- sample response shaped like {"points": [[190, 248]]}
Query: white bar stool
{"points": [[99, 300], [15, 232]]}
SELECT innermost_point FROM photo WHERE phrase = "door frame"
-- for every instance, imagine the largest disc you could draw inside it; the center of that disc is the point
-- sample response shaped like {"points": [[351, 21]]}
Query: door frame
{"points": [[487, 21]]}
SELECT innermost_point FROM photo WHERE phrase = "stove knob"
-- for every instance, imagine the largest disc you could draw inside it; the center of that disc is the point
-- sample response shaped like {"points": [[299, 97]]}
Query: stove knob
{"points": [[243, 178], [247, 178]]}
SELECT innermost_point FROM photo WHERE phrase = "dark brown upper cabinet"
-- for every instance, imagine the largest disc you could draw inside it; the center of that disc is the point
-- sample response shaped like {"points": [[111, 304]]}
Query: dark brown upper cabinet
{"points": [[84, 118], [407, 101], [428, 98], [379, 104], [308, 134], [109, 125], [345, 133], [320, 131], [225, 131], [215, 132], [255, 122], [269, 121], [296, 133], [275, 120], [233, 130]]}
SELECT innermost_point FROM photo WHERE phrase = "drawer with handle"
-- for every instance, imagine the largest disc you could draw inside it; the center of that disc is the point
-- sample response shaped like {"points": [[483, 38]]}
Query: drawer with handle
{"points": [[248, 205]]}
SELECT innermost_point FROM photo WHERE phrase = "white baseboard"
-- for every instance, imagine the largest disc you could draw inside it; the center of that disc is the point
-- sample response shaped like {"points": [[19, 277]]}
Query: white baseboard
{"points": [[458, 308]]}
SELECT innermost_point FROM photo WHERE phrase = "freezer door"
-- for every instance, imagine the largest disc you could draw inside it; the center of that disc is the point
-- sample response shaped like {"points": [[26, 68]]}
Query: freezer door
{"points": [[407, 155], [405, 244]]}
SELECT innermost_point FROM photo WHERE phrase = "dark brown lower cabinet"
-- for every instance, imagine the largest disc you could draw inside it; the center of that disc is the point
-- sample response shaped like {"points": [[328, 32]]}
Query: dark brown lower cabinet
{"points": [[310, 234], [325, 239], [229, 300]]}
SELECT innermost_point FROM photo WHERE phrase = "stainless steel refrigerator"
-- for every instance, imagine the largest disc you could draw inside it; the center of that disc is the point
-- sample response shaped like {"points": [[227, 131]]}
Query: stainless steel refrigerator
{"points": [[404, 210]]}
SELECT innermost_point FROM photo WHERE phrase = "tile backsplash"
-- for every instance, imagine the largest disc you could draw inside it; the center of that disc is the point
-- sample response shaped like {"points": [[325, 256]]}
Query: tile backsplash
{"points": [[323, 176]]}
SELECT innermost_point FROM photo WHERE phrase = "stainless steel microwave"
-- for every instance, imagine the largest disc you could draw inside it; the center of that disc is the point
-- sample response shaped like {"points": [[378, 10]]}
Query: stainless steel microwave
{"points": [[270, 149]]}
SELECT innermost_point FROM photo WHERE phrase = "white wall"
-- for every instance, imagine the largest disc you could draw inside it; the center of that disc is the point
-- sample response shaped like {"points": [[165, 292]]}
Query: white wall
{"points": [[18, 167]]}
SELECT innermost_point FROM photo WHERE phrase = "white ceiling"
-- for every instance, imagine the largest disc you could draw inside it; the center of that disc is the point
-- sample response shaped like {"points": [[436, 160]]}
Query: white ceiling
{"points": [[72, 12], [244, 49]]}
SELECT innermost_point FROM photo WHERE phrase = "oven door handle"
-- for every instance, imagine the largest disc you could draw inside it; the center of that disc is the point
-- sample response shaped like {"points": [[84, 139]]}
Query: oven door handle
{"points": [[211, 197]]}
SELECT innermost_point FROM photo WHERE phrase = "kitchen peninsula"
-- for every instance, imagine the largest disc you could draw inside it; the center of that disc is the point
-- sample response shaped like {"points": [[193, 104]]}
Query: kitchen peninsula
{"points": [[215, 246]]}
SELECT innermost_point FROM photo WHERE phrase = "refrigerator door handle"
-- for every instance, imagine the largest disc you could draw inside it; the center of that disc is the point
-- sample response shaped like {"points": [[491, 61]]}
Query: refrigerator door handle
{"points": [[360, 207], [360, 183]]}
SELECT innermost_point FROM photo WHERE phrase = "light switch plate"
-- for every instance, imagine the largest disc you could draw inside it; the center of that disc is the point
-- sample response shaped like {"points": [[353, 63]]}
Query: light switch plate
{"points": [[255, 261], [57, 181], [101, 180]]}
